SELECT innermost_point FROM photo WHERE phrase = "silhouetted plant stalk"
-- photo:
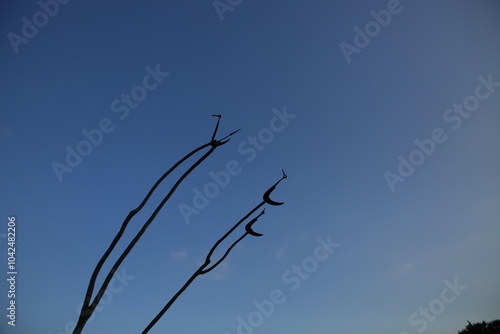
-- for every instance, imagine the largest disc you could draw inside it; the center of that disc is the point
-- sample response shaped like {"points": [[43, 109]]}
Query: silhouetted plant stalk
{"points": [[203, 268], [90, 305]]}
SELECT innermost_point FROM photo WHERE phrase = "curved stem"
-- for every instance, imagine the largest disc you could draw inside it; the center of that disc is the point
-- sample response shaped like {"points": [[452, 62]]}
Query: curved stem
{"points": [[170, 302], [144, 228], [197, 273], [88, 308], [210, 253], [87, 312], [201, 270], [204, 271], [131, 214], [208, 260]]}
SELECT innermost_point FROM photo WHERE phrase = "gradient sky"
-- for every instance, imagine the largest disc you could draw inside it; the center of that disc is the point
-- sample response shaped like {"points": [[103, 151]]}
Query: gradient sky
{"points": [[349, 122]]}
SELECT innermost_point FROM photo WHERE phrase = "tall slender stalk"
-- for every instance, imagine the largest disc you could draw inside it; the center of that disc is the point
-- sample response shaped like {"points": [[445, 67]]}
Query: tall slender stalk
{"points": [[89, 306], [203, 268]]}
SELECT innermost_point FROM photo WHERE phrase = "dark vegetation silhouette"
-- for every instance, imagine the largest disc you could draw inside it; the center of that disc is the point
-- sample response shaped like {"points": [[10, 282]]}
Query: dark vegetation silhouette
{"points": [[89, 304], [492, 327]]}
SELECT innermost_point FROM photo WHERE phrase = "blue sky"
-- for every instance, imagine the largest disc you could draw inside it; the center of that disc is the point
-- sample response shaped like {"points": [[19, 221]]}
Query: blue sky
{"points": [[347, 120]]}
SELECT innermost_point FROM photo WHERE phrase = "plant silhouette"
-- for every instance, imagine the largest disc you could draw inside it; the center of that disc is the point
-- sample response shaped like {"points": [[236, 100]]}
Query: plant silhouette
{"points": [[492, 327], [89, 304]]}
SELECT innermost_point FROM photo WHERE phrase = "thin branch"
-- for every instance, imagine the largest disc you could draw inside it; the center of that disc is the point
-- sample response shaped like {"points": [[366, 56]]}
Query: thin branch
{"points": [[229, 135], [216, 126], [202, 269], [208, 259], [131, 214], [144, 228], [88, 307]]}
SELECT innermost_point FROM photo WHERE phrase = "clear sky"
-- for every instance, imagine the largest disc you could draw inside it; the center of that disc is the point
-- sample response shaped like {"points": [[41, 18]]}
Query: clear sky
{"points": [[384, 115]]}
